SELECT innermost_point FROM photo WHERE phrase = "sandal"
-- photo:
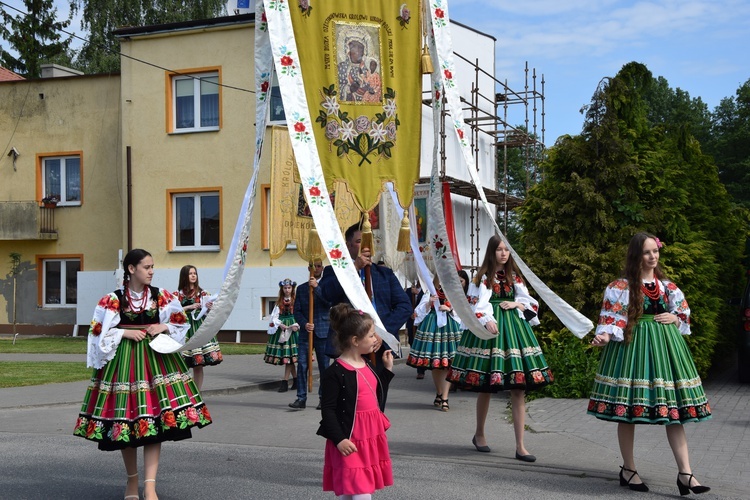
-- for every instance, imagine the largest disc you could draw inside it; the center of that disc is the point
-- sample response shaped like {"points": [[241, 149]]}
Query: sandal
{"points": [[144, 486], [437, 401], [136, 496], [444, 405]]}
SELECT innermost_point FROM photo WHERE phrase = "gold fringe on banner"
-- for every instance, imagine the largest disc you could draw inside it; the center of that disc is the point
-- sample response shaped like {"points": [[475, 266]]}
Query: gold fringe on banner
{"points": [[367, 234], [404, 234], [427, 67]]}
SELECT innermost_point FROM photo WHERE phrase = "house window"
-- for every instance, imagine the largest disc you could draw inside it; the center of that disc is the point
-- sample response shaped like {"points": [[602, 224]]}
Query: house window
{"points": [[267, 305], [275, 104], [59, 281], [196, 221], [61, 179], [195, 103]]}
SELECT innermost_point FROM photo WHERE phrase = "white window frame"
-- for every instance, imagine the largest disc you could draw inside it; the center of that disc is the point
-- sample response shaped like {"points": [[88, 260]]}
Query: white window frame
{"points": [[63, 180], [63, 279], [196, 221], [196, 78]]}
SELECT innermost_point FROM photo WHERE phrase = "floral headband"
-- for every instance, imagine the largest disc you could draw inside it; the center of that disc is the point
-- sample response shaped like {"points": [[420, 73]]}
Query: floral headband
{"points": [[659, 244], [287, 282]]}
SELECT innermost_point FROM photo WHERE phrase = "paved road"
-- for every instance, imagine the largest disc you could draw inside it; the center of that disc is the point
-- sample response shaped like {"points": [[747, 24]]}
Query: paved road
{"points": [[258, 448]]}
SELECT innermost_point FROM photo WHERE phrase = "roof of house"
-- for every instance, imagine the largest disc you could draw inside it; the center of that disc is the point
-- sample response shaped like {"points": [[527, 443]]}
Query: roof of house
{"points": [[7, 75]]}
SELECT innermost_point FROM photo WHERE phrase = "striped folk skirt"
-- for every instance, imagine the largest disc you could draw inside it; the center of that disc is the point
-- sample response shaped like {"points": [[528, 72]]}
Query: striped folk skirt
{"points": [[434, 347], [140, 397], [282, 353], [511, 360], [651, 380], [206, 355]]}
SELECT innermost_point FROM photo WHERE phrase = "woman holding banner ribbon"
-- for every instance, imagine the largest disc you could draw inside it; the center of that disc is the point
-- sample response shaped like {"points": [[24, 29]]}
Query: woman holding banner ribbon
{"points": [[137, 396], [192, 296], [512, 360]]}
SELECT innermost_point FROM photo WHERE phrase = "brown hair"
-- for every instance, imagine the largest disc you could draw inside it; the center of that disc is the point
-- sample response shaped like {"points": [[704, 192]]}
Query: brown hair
{"points": [[348, 322], [632, 273], [283, 283], [183, 284], [489, 265]]}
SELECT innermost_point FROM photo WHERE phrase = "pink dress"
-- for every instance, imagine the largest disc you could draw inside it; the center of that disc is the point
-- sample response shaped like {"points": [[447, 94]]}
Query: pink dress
{"points": [[368, 469]]}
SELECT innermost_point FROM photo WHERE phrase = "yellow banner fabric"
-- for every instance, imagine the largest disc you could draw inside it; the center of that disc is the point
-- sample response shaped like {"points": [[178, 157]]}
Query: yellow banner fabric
{"points": [[360, 60]]}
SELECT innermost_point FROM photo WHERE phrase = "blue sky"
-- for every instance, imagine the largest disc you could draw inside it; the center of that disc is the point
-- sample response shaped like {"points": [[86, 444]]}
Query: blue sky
{"points": [[700, 46]]}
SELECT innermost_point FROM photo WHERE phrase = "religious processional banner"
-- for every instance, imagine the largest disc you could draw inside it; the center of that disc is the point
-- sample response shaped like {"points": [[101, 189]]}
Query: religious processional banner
{"points": [[290, 218], [361, 64]]}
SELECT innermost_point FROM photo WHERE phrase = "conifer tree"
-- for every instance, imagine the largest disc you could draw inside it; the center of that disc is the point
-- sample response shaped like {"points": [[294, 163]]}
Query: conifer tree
{"points": [[35, 36], [100, 53]]}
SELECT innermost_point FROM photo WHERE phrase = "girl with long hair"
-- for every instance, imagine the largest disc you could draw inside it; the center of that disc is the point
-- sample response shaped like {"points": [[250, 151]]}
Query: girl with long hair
{"points": [[191, 296], [512, 360], [138, 397], [646, 374]]}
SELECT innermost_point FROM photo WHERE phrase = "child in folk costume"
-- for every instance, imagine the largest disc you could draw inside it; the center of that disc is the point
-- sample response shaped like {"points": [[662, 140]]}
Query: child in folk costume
{"points": [[434, 346], [137, 396], [512, 360], [646, 374], [191, 296], [357, 460], [281, 348]]}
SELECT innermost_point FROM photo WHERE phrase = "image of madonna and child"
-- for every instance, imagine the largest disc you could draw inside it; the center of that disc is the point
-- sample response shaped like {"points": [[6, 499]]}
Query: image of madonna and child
{"points": [[357, 459], [283, 331], [191, 296], [434, 346], [510, 360], [138, 397], [646, 374]]}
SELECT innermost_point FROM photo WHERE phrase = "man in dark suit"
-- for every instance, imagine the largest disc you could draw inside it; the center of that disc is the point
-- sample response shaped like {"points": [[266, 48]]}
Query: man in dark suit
{"points": [[319, 326], [389, 299]]}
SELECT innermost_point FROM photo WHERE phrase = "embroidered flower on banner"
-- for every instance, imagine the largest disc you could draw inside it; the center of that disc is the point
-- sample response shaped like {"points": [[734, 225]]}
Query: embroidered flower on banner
{"points": [[440, 247], [439, 15], [288, 65], [448, 76], [364, 137], [316, 195], [301, 133], [305, 7], [242, 254], [460, 132], [404, 17], [263, 94], [263, 26], [336, 256], [278, 5]]}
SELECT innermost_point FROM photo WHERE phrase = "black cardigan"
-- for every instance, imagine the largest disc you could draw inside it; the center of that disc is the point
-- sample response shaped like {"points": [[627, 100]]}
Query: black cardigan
{"points": [[339, 397]]}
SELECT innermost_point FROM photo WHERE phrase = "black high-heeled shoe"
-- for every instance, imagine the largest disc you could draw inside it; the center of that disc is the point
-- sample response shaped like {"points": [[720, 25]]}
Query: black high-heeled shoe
{"points": [[686, 488], [635, 487]]}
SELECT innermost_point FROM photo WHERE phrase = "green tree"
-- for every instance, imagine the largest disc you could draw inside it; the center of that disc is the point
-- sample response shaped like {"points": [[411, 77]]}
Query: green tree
{"points": [[636, 166], [100, 53], [35, 37], [730, 144]]}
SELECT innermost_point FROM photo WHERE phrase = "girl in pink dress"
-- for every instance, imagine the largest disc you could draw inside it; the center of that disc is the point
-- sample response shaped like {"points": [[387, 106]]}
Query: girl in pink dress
{"points": [[357, 461]]}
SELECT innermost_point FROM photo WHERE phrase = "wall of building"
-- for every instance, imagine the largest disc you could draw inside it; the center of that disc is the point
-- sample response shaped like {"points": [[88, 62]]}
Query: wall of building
{"points": [[58, 115]]}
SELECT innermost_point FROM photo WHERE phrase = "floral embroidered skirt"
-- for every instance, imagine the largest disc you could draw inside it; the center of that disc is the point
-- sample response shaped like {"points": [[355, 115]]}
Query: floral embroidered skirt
{"points": [[511, 360], [282, 353], [434, 347], [651, 380], [140, 397], [207, 355]]}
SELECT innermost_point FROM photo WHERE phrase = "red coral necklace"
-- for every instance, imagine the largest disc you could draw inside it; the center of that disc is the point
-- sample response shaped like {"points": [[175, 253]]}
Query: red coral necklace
{"points": [[652, 294], [140, 306]]}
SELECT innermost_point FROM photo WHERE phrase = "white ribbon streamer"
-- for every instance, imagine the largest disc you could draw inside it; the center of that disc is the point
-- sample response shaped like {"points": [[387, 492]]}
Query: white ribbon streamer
{"points": [[440, 40]]}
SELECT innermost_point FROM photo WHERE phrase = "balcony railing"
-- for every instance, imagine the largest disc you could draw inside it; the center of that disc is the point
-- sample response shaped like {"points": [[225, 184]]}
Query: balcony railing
{"points": [[26, 220]]}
